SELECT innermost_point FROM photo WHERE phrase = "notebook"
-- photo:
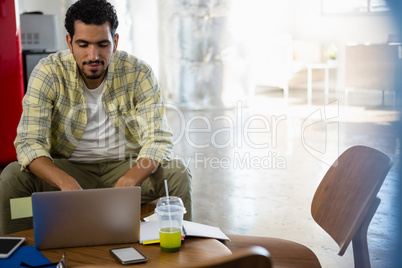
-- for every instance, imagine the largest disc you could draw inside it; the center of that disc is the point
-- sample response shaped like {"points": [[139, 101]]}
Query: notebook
{"points": [[28, 254], [84, 218]]}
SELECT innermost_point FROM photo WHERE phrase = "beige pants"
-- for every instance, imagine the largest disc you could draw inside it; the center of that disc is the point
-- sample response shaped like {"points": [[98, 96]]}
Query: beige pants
{"points": [[103, 174]]}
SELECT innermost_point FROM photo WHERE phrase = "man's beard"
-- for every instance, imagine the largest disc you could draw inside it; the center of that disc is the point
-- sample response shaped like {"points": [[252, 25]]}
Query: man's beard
{"points": [[93, 75]]}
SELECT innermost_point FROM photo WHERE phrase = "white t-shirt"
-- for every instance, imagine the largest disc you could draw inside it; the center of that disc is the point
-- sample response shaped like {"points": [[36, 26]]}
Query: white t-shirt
{"points": [[99, 140]]}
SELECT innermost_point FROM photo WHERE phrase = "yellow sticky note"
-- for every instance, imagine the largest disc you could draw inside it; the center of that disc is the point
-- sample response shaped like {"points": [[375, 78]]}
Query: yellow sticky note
{"points": [[21, 207]]}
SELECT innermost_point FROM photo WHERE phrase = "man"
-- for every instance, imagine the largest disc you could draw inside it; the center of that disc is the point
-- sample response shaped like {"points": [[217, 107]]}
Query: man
{"points": [[93, 117]]}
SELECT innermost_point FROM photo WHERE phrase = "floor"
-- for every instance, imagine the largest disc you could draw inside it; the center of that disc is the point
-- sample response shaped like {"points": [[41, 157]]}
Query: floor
{"points": [[255, 168]]}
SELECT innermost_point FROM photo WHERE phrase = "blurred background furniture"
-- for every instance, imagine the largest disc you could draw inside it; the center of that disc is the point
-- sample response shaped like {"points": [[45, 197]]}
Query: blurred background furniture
{"points": [[285, 62], [372, 67], [326, 66]]}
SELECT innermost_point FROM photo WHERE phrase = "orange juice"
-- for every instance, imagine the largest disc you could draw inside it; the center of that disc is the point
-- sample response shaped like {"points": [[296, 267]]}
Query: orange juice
{"points": [[170, 239]]}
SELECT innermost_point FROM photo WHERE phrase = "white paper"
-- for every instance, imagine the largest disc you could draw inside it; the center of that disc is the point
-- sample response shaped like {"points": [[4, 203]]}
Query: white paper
{"points": [[152, 217], [149, 231], [203, 230]]}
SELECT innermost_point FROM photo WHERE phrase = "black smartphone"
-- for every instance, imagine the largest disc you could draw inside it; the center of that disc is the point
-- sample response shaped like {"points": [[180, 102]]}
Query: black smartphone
{"points": [[128, 255], [8, 245]]}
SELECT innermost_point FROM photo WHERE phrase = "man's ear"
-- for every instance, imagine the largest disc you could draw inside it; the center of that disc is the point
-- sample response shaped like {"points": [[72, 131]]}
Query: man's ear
{"points": [[115, 42], [69, 43]]}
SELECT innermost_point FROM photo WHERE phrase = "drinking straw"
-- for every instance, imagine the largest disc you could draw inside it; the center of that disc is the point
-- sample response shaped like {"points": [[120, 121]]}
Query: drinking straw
{"points": [[168, 204], [167, 192]]}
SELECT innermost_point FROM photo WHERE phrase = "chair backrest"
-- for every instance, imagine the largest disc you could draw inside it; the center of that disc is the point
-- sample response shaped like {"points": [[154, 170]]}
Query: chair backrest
{"points": [[347, 192], [255, 256]]}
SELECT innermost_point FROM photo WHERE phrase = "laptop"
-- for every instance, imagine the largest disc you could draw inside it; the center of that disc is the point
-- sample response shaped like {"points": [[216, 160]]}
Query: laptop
{"points": [[85, 218]]}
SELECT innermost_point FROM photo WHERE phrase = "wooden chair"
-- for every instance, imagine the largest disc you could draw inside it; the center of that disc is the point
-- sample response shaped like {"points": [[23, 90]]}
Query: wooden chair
{"points": [[343, 205], [255, 256]]}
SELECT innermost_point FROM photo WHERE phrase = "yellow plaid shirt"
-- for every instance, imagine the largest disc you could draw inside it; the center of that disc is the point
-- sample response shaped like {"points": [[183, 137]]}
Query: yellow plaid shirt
{"points": [[54, 109]]}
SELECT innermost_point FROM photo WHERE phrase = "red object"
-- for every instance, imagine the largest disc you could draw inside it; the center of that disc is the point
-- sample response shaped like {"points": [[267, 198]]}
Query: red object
{"points": [[11, 79]]}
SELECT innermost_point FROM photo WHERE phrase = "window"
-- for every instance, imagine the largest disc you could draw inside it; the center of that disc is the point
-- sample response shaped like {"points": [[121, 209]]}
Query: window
{"points": [[354, 6]]}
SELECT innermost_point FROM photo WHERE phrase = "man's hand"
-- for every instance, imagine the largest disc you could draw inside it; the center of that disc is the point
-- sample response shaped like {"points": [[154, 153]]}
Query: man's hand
{"points": [[126, 181], [138, 173], [70, 185], [46, 170]]}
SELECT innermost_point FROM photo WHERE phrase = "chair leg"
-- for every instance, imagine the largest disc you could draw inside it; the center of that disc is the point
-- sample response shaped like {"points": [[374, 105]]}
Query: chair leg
{"points": [[360, 248]]}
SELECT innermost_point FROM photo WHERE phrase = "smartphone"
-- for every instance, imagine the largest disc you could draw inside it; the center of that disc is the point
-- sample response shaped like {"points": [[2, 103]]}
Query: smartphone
{"points": [[128, 255], [8, 245]]}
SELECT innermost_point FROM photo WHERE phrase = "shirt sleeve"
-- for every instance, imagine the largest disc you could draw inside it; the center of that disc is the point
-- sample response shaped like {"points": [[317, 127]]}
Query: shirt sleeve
{"points": [[33, 131], [153, 130]]}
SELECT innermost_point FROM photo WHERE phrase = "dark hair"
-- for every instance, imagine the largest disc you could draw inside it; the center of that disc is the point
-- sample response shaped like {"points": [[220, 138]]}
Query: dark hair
{"points": [[95, 12]]}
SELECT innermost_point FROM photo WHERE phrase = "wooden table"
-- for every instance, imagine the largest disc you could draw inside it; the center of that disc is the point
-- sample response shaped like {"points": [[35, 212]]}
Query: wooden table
{"points": [[193, 250]]}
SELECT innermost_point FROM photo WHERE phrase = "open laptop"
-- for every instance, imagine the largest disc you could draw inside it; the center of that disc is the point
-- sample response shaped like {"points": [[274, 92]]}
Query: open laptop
{"points": [[84, 218]]}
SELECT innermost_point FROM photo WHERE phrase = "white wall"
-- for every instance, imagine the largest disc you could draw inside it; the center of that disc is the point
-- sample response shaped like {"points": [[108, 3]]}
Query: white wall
{"points": [[145, 31], [310, 24]]}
